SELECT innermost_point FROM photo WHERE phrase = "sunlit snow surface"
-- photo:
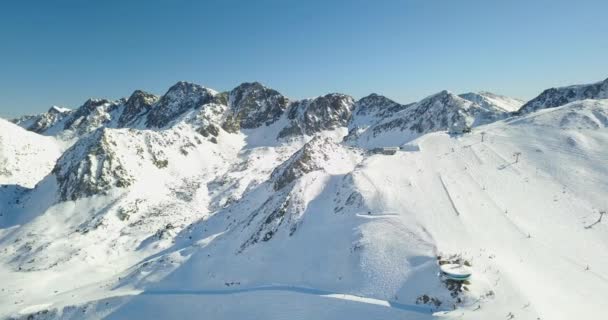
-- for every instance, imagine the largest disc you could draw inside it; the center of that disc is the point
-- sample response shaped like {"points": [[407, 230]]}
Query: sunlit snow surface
{"points": [[358, 236]]}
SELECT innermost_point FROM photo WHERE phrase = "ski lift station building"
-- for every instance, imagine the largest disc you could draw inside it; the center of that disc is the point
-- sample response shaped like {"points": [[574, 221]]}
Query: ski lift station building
{"points": [[455, 271]]}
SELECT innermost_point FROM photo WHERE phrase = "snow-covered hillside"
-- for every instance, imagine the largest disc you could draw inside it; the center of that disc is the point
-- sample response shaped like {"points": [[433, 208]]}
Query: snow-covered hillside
{"points": [[245, 204], [25, 157]]}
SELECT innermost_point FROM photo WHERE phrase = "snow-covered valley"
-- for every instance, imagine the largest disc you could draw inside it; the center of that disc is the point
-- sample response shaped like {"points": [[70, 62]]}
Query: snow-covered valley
{"points": [[248, 205]]}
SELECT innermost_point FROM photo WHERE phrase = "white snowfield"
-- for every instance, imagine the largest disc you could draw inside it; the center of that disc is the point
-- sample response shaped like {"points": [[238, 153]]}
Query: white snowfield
{"points": [[25, 157], [313, 228]]}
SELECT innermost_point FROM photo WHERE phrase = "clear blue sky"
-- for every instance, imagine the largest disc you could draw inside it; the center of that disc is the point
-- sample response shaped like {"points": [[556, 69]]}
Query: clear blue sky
{"points": [[62, 52]]}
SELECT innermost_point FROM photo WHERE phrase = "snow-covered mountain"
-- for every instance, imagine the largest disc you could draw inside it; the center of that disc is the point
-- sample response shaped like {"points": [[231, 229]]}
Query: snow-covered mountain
{"points": [[492, 101], [556, 97], [138, 105], [246, 204], [310, 116], [254, 105], [443, 111], [43, 123]]}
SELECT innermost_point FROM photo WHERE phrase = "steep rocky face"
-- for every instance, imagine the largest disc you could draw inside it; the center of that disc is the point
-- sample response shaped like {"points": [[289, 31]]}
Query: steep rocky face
{"points": [[556, 97], [322, 113], [137, 105], [375, 104], [181, 97], [254, 105], [115, 159], [493, 102], [320, 153], [302, 162], [90, 167]]}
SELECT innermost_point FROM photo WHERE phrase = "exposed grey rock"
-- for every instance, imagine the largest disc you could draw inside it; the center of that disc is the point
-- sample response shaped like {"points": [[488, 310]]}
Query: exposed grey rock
{"points": [[231, 124], [254, 105], [270, 216], [376, 105], [86, 112], [90, 167], [181, 97], [92, 115], [322, 113], [138, 104], [370, 110], [300, 163]]}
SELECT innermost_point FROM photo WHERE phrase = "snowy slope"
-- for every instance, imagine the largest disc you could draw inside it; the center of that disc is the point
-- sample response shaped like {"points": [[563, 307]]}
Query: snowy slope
{"points": [[245, 204], [491, 100], [25, 157], [506, 218]]}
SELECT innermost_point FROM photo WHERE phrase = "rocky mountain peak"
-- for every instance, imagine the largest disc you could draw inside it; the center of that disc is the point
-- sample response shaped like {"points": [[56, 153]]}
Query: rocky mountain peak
{"points": [[139, 96], [93, 114], [373, 103], [138, 104], [376, 106], [444, 97], [254, 105], [93, 103], [322, 113], [371, 109], [181, 97]]}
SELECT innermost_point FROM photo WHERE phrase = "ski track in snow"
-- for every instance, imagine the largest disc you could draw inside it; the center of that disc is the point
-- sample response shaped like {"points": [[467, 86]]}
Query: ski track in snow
{"points": [[377, 215], [447, 193]]}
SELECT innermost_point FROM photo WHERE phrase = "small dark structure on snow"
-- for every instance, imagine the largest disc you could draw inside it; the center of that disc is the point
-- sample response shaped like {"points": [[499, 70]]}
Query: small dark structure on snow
{"points": [[386, 150]]}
